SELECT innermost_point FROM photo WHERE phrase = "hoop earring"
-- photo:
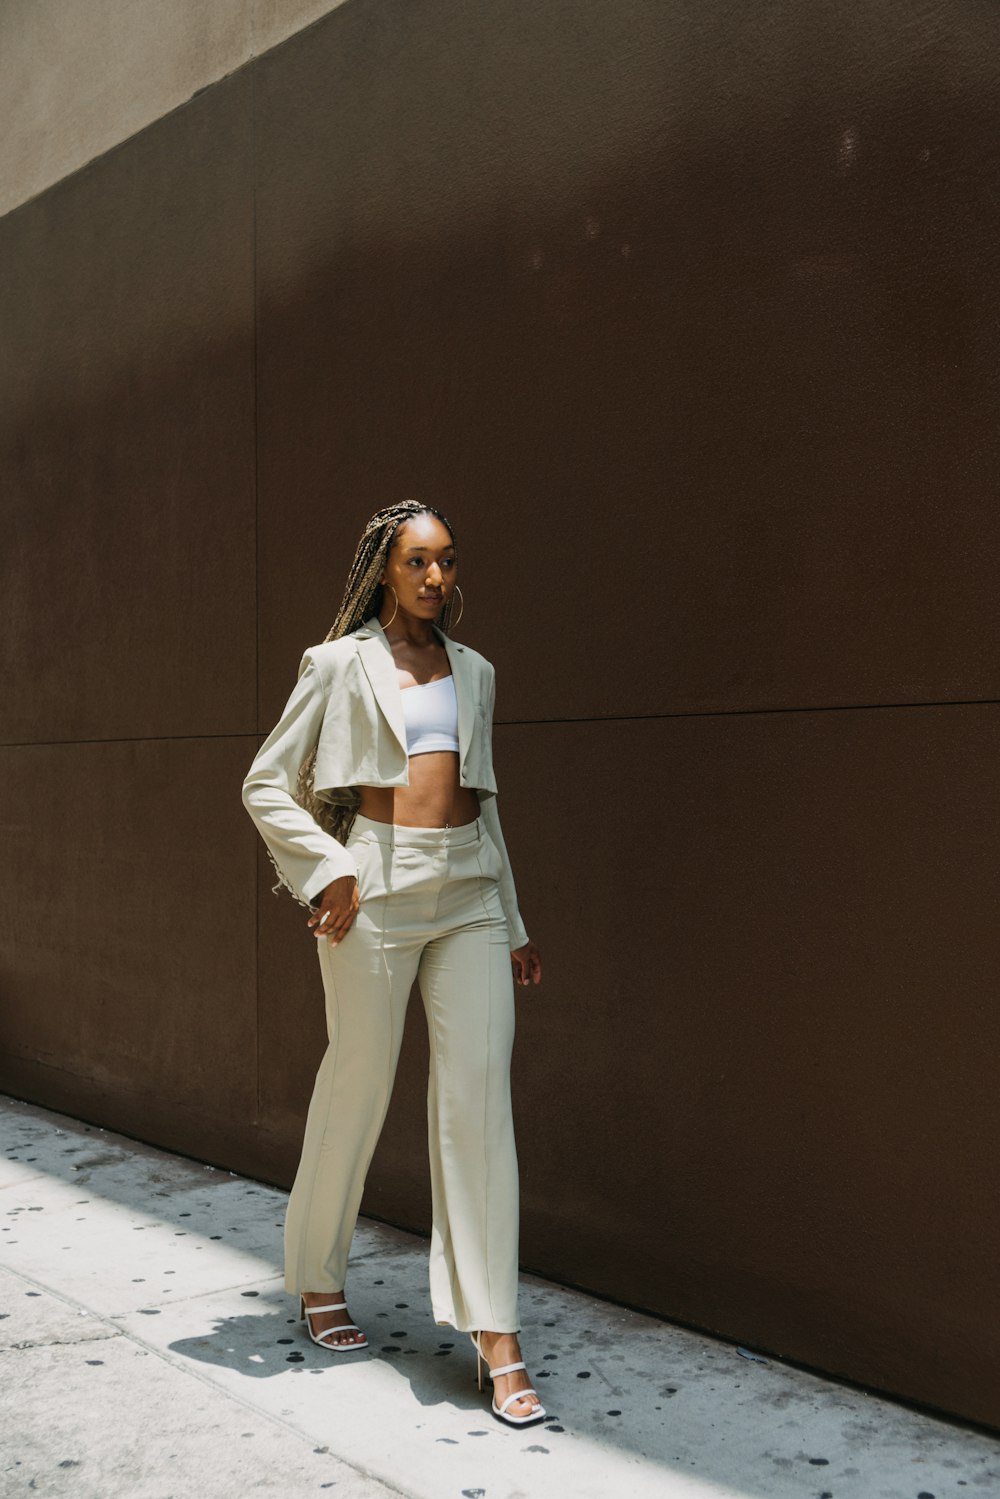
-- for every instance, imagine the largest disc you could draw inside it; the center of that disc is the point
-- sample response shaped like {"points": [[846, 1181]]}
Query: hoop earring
{"points": [[392, 616], [461, 606]]}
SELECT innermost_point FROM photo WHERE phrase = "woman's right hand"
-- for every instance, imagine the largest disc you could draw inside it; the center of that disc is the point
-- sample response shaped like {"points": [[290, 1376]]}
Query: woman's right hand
{"points": [[337, 910]]}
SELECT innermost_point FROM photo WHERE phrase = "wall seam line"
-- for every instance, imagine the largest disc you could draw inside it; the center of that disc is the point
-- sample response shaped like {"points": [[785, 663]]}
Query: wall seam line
{"points": [[515, 723], [256, 541]]}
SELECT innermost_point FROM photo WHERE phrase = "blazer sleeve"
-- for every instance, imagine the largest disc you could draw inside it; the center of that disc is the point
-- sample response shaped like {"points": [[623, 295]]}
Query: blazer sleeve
{"points": [[306, 857], [516, 930]]}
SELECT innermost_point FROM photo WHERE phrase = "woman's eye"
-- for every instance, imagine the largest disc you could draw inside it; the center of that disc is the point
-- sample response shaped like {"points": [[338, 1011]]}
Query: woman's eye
{"points": [[448, 562]]}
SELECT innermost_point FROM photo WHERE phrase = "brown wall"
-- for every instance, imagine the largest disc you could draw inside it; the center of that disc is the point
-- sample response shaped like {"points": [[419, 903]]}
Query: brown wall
{"points": [[687, 318]]}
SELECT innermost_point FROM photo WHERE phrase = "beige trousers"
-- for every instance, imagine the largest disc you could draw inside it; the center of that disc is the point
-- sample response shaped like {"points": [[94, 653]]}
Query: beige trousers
{"points": [[430, 911]]}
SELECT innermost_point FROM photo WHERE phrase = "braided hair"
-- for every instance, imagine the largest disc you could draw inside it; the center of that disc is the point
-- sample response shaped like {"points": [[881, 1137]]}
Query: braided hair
{"points": [[362, 599]]}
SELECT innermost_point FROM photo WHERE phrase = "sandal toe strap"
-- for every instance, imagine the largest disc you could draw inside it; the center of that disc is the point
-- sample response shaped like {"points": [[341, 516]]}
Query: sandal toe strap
{"points": [[344, 1327], [511, 1399]]}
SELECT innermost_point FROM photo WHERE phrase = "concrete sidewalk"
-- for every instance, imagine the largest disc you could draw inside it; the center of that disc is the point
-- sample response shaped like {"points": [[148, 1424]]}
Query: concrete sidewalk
{"points": [[148, 1351]]}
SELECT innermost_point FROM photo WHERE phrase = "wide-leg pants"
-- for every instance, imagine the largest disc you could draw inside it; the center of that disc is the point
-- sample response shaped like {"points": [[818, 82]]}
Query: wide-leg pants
{"points": [[429, 911]]}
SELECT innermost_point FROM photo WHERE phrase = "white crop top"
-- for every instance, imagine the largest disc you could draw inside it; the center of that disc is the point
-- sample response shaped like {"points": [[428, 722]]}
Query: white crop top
{"points": [[430, 712]]}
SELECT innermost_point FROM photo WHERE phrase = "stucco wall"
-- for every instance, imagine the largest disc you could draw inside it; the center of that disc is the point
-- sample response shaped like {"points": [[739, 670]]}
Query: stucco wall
{"points": [[78, 78]]}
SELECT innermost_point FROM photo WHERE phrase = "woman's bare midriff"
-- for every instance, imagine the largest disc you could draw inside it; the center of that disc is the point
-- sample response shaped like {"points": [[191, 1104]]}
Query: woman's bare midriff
{"points": [[435, 797]]}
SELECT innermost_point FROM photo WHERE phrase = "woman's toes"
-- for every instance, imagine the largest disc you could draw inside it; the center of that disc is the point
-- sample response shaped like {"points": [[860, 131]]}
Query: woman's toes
{"points": [[523, 1405]]}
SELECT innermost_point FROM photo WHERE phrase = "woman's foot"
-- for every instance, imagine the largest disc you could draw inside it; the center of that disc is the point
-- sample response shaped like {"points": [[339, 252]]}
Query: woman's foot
{"points": [[324, 1324], [500, 1349]]}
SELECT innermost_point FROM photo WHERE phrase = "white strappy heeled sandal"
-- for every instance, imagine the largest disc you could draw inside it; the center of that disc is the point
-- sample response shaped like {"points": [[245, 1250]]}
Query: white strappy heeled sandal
{"points": [[500, 1411], [305, 1312]]}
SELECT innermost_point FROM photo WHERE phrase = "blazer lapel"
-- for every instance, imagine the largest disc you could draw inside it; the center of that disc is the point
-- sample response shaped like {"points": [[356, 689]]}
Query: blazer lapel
{"points": [[380, 668]]}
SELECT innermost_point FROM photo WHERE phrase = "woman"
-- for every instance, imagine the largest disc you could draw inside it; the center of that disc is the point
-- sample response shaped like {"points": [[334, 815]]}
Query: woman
{"points": [[376, 798]]}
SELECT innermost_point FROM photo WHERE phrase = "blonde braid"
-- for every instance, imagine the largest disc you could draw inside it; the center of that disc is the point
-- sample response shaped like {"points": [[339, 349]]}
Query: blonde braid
{"points": [[362, 599]]}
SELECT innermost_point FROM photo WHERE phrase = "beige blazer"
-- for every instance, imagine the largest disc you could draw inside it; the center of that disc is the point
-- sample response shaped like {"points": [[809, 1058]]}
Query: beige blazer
{"points": [[348, 705]]}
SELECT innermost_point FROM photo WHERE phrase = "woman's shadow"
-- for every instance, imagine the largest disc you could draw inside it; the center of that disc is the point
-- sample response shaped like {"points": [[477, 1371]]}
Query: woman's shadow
{"points": [[437, 1362]]}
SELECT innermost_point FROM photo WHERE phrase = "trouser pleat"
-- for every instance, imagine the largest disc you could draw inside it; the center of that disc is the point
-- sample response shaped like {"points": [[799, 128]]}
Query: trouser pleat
{"points": [[474, 1177], [366, 1009]]}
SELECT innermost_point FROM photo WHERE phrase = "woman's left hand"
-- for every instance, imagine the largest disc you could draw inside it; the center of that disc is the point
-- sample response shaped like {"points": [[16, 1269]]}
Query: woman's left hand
{"points": [[526, 962]]}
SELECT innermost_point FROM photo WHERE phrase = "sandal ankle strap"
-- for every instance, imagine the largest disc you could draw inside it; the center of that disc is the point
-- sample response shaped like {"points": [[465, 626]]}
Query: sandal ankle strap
{"points": [[506, 1369]]}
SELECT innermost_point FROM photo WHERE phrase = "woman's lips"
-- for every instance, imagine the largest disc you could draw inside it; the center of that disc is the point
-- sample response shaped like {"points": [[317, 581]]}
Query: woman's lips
{"points": [[431, 598]]}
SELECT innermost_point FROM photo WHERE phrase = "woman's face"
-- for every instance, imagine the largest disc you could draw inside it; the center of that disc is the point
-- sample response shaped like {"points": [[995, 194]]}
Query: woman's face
{"points": [[421, 567]]}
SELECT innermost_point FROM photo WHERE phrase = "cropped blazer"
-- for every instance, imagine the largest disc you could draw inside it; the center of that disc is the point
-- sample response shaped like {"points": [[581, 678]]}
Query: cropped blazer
{"points": [[347, 704]]}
